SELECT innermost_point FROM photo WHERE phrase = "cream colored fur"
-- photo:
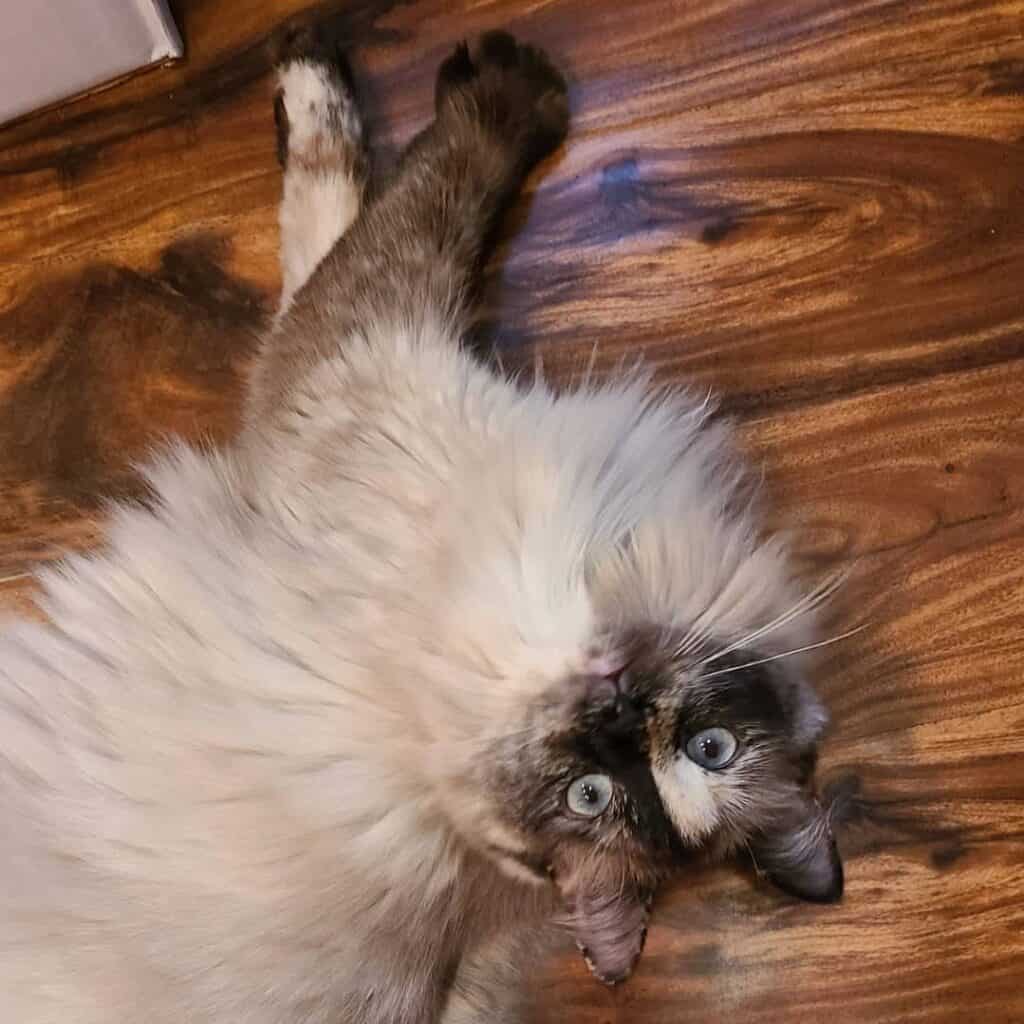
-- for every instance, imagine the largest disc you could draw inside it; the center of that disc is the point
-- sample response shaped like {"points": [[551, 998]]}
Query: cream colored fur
{"points": [[235, 767], [246, 729]]}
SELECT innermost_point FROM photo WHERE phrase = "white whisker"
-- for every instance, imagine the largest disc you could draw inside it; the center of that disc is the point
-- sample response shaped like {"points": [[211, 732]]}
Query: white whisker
{"points": [[808, 602], [787, 654], [693, 638]]}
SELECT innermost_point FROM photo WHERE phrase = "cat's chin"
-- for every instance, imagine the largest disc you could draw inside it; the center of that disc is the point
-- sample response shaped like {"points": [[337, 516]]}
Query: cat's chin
{"points": [[608, 921], [610, 936]]}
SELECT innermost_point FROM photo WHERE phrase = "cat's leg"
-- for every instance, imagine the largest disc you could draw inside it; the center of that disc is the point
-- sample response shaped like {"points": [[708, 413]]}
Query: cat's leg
{"points": [[321, 148], [411, 261]]}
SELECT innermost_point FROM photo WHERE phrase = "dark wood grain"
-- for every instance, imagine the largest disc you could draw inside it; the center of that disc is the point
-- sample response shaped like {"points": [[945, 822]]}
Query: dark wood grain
{"points": [[816, 207]]}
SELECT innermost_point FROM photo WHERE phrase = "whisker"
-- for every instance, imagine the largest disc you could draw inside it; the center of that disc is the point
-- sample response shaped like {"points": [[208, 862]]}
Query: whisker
{"points": [[787, 654], [809, 601], [693, 638], [696, 635]]}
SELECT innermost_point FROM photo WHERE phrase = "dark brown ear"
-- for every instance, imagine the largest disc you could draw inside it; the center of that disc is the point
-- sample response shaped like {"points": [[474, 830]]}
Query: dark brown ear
{"points": [[807, 715], [609, 922], [799, 854]]}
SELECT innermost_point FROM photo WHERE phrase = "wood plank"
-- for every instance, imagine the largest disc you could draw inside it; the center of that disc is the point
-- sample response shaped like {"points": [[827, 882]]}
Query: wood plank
{"points": [[815, 207]]}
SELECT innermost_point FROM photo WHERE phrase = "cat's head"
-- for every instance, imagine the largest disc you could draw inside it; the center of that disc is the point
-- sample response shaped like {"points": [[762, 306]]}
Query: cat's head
{"points": [[623, 640], [614, 779]]}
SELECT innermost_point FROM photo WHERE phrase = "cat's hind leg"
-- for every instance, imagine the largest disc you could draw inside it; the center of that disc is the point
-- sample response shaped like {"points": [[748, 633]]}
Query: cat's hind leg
{"points": [[410, 265], [321, 147]]}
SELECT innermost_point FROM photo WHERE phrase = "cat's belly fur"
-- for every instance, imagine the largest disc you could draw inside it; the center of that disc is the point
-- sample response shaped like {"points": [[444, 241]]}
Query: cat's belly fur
{"points": [[206, 752]]}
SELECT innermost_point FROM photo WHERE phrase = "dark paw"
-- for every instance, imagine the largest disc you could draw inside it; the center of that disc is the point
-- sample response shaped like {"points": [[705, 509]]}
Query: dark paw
{"points": [[511, 88]]}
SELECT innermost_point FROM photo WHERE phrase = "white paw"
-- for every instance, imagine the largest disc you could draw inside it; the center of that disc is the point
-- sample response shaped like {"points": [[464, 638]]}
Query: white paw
{"points": [[322, 123]]}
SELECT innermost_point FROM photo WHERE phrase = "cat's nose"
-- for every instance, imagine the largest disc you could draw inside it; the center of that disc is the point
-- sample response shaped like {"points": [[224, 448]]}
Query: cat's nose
{"points": [[609, 695], [602, 688]]}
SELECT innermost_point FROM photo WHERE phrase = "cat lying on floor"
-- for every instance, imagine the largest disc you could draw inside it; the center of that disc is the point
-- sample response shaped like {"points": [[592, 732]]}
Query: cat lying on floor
{"points": [[428, 659]]}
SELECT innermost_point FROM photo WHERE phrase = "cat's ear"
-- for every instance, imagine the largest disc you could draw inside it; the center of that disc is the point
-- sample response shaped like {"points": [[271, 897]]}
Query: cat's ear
{"points": [[807, 715], [799, 854], [608, 918]]}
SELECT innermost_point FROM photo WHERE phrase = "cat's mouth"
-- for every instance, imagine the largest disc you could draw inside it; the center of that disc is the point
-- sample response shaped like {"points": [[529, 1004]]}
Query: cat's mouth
{"points": [[608, 919], [611, 944]]}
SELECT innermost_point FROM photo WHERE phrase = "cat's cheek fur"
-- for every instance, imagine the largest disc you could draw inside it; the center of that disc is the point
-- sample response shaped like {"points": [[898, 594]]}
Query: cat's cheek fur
{"points": [[688, 793]]}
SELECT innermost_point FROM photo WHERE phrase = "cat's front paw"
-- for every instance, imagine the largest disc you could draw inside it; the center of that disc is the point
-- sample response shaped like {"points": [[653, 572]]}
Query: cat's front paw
{"points": [[510, 88]]}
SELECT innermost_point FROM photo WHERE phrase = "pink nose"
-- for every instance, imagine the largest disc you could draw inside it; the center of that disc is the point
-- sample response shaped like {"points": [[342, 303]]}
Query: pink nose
{"points": [[606, 678], [607, 665]]}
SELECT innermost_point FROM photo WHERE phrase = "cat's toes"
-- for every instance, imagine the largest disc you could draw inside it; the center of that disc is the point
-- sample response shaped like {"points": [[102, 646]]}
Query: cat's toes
{"points": [[511, 87], [315, 110]]}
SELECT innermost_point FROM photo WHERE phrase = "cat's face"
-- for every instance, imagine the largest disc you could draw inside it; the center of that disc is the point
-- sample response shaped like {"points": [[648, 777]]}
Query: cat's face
{"points": [[613, 780]]}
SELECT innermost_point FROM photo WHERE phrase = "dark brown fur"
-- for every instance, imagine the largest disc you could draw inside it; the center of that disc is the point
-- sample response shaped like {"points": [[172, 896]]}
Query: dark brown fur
{"points": [[420, 245]]}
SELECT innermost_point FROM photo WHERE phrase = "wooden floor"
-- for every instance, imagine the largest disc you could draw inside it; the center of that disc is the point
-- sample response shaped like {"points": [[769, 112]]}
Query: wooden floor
{"points": [[815, 206]]}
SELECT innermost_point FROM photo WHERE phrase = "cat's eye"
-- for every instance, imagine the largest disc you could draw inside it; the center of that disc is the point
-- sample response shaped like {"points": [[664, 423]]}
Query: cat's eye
{"points": [[712, 748], [589, 795]]}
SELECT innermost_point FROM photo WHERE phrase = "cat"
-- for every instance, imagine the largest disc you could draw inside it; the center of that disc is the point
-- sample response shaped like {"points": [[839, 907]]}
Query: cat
{"points": [[357, 709]]}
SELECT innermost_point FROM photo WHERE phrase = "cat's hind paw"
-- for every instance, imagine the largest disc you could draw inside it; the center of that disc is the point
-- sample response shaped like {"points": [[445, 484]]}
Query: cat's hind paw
{"points": [[321, 146], [318, 121], [511, 88]]}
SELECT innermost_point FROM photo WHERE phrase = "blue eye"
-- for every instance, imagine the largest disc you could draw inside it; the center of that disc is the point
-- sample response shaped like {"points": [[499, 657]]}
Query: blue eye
{"points": [[712, 748], [589, 796]]}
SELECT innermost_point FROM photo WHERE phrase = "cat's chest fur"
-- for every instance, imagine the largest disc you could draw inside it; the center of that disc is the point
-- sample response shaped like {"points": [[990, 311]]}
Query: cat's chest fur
{"points": [[225, 716]]}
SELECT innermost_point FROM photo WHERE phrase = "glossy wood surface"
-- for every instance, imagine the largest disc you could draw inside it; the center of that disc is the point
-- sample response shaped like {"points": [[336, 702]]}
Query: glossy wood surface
{"points": [[814, 206]]}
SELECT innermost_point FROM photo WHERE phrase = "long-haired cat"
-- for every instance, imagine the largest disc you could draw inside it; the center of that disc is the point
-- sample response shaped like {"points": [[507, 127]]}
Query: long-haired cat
{"points": [[428, 658]]}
